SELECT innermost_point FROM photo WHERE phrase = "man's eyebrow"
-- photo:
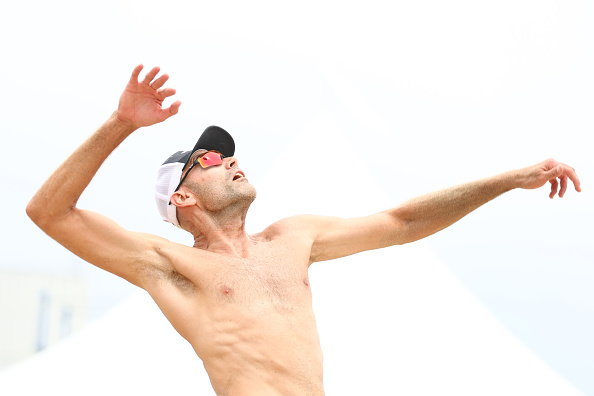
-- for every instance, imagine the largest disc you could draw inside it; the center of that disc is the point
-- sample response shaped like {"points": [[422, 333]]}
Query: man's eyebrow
{"points": [[197, 153]]}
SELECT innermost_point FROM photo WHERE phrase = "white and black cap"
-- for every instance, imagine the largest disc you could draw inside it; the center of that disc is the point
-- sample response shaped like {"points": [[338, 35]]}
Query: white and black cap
{"points": [[170, 172]]}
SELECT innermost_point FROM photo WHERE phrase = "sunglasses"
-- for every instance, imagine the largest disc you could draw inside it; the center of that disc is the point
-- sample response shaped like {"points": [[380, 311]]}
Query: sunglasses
{"points": [[206, 160]]}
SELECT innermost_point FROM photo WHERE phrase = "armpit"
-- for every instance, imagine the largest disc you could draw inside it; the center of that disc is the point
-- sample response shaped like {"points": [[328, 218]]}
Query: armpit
{"points": [[180, 282]]}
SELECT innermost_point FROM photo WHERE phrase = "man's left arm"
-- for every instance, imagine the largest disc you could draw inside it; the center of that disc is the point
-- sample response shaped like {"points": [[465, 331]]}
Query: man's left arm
{"points": [[428, 214]]}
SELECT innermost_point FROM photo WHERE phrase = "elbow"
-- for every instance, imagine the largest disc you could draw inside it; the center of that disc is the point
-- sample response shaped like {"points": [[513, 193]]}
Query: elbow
{"points": [[39, 214], [46, 215], [34, 212], [415, 231], [404, 228], [398, 231]]}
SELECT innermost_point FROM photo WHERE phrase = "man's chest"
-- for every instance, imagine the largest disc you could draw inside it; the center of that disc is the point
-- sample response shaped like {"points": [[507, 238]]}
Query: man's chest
{"points": [[231, 297], [275, 273]]}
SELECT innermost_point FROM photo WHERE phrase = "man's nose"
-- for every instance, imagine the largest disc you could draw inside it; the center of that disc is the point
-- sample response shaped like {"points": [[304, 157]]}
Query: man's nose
{"points": [[231, 162]]}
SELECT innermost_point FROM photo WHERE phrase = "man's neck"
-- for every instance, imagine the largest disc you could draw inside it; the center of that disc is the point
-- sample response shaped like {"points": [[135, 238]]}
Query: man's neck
{"points": [[222, 234]]}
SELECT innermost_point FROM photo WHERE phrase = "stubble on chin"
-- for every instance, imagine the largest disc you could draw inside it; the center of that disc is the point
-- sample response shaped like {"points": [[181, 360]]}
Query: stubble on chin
{"points": [[217, 198]]}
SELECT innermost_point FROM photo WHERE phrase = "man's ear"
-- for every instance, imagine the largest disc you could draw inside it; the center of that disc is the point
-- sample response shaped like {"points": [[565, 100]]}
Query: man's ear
{"points": [[182, 199]]}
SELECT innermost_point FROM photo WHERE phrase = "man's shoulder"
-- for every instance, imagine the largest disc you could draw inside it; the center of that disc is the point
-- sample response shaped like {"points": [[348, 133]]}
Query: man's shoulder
{"points": [[155, 240], [299, 224], [294, 222], [167, 250]]}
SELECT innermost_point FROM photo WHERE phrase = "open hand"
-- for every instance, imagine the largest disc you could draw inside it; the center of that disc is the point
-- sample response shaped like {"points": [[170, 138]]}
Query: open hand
{"points": [[553, 172], [141, 102]]}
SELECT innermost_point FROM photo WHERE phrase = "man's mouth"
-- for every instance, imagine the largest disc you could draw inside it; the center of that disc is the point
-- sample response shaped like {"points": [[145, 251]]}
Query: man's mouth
{"points": [[238, 176]]}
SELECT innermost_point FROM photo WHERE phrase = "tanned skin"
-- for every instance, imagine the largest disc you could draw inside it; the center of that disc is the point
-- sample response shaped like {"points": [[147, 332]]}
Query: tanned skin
{"points": [[242, 301]]}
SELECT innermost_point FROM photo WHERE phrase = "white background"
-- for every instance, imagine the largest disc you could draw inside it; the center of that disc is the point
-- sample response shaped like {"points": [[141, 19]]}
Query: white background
{"points": [[441, 92]]}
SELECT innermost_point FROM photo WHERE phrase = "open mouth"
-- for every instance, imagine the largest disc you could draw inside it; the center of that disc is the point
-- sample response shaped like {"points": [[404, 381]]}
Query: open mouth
{"points": [[238, 176]]}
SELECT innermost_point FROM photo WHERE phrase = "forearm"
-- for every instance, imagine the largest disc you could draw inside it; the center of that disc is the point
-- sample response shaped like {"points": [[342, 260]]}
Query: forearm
{"points": [[430, 213], [60, 193]]}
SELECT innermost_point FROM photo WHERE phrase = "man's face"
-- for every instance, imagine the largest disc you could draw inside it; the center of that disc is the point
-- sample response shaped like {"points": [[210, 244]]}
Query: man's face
{"points": [[218, 185]]}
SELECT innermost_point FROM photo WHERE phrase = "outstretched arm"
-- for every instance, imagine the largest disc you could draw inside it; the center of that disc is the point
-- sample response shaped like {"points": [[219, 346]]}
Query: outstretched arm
{"points": [[428, 214], [87, 234]]}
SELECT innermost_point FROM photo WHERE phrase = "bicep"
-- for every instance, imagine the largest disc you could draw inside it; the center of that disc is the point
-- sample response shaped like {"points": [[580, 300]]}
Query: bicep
{"points": [[338, 237], [105, 244]]}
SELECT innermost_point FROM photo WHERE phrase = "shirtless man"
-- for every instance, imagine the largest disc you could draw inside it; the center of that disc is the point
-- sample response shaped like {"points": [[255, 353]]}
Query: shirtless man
{"points": [[242, 301]]}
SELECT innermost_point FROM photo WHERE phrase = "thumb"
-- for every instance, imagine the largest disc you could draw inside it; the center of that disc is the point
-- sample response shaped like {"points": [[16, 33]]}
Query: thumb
{"points": [[555, 172]]}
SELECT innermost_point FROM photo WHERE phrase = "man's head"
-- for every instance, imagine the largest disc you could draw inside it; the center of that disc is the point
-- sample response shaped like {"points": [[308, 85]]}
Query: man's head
{"points": [[207, 175]]}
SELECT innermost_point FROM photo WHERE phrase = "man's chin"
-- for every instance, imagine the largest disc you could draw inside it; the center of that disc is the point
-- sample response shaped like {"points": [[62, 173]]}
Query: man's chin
{"points": [[251, 193], [244, 193]]}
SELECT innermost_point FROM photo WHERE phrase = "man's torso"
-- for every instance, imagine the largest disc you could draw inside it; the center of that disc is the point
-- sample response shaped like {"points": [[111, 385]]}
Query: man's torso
{"points": [[249, 319]]}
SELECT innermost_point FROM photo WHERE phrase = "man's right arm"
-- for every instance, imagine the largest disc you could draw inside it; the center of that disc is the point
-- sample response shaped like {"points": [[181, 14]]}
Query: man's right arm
{"points": [[89, 235]]}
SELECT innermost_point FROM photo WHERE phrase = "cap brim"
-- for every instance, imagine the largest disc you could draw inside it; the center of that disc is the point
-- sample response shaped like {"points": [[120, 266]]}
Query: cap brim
{"points": [[213, 138], [216, 138]]}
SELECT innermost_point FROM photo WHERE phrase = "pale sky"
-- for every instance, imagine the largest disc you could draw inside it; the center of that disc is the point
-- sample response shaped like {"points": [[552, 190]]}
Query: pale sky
{"points": [[442, 92]]}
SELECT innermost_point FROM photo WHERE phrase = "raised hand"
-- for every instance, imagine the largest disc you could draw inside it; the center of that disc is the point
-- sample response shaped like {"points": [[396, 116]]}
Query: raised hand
{"points": [[141, 102], [550, 171]]}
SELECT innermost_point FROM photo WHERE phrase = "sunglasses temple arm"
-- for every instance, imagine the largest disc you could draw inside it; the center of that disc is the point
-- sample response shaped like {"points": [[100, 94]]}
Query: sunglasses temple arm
{"points": [[183, 178]]}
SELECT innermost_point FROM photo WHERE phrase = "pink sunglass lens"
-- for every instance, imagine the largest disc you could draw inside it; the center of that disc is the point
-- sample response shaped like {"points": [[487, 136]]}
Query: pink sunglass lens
{"points": [[210, 159]]}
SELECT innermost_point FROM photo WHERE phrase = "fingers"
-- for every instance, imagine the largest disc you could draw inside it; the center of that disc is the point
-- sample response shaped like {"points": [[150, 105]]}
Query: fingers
{"points": [[136, 73], [165, 93], [159, 82], [570, 172], [563, 173], [150, 75], [563, 186], [170, 111], [554, 186], [174, 108]]}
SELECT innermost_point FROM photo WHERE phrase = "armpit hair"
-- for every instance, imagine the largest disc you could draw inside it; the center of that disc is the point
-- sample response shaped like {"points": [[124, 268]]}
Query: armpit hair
{"points": [[180, 281]]}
